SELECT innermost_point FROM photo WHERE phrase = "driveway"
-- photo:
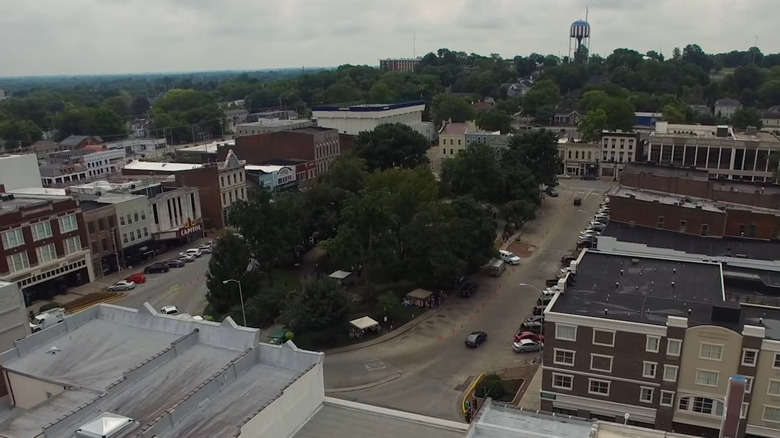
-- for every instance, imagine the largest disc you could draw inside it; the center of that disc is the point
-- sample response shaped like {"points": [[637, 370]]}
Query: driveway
{"points": [[426, 369]]}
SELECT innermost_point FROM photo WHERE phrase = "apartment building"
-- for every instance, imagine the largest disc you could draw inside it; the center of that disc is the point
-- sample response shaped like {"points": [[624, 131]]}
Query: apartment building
{"points": [[68, 167], [720, 150], [134, 225], [44, 246], [652, 341], [617, 149], [399, 64]]}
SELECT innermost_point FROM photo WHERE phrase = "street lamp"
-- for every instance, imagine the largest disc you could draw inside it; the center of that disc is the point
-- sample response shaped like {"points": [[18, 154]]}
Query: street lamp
{"points": [[531, 286], [240, 295]]}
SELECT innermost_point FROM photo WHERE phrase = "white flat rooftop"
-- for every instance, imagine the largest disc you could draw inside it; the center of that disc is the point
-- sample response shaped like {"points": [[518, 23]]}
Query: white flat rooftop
{"points": [[269, 168], [161, 167]]}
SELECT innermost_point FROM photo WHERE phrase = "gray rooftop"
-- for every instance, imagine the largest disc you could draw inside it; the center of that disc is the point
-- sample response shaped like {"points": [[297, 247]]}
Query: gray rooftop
{"points": [[12, 205], [642, 289], [339, 420], [502, 421], [667, 199]]}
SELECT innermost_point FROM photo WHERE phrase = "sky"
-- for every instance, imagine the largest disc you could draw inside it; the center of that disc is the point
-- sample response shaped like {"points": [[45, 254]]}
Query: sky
{"points": [[48, 37]]}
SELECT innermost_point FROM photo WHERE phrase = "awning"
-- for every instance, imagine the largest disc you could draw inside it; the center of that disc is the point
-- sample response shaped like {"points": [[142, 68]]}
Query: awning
{"points": [[340, 275], [364, 323], [419, 294]]}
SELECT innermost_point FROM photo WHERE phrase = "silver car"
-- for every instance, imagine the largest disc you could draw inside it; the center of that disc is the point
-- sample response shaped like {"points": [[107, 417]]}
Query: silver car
{"points": [[526, 346], [122, 285]]}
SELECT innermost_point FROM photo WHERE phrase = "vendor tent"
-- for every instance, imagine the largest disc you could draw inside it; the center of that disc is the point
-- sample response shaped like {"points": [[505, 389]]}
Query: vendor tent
{"points": [[420, 297], [364, 323], [340, 275]]}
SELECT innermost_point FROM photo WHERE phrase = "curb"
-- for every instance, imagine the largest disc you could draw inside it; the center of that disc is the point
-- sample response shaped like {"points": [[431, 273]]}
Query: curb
{"points": [[386, 337], [387, 379], [470, 391], [95, 303]]}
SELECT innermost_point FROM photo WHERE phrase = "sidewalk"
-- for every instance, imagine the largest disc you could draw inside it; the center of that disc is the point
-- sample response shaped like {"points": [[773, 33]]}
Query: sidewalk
{"points": [[530, 399]]}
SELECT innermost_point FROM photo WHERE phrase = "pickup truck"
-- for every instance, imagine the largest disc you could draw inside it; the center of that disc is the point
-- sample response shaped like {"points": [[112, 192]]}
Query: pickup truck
{"points": [[47, 319]]}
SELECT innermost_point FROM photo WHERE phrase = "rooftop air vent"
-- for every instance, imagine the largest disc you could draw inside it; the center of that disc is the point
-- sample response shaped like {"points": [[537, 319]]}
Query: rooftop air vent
{"points": [[634, 261], [107, 425]]}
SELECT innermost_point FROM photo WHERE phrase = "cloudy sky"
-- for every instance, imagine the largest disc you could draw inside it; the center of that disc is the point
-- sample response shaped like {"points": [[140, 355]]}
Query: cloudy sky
{"points": [[128, 36]]}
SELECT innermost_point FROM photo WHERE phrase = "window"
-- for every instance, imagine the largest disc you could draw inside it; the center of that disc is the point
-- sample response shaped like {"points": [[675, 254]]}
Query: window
{"points": [[46, 253], [129, 218], [673, 347], [132, 236], [91, 227], [444, 151], [599, 362], [670, 373], [68, 223], [143, 215], [772, 414], [683, 404], [660, 222], [72, 244], [710, 351], [13, 238], [41, 230], [598, 387], [222, 181], [743, 410], [748, 384], [707, 378], [705, 229], [18, 261], [563, 357], [570, 154], [704, 405], [652, 343], [683, 226], [566, 332], [646, 394], [135, 216], [777, 360], [121, 220], [101, 224], [648, 369], [667, 398], [562, 381], [138, 233], [124, 237], [749, 357], [146, 231], [603, 337], [773, 388]]}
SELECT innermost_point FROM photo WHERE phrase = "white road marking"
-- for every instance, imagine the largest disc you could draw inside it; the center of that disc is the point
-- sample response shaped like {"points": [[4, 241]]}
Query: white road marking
{"points": [[374, 365]]}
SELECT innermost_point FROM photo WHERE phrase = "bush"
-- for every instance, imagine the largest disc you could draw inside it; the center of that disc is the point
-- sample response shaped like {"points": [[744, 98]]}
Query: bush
{"points": [[491, 386], [48, 306]]}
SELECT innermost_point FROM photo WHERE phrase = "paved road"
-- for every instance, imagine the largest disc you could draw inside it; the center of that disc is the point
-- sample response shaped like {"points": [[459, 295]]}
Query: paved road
{"points": [[431, 360]]}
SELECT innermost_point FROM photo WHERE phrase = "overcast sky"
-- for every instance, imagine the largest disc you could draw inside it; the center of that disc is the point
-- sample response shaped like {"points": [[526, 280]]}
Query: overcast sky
{"points": [[128, 36]]}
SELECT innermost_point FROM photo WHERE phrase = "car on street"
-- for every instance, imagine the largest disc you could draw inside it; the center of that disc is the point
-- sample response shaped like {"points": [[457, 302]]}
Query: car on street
{"points": [[509, 257], [535, 318], [475, 339], [137, 278], [175, 263], [532, 326], [552, 192], [468, 289], [596, 225], [169, 310], [551, 282], [519, 336], [602, 216], [122, 285], [577, 201], [526, 346], [195, 252], [186, 258], [205, 249], [565, 260], [156, 267]]}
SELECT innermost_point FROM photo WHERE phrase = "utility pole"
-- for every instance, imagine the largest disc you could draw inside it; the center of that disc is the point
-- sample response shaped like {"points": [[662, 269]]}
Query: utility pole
{"points": [[414, 46], [753, 55]]}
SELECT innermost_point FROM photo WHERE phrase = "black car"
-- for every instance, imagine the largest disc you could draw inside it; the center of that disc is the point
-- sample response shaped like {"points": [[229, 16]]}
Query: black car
{"points": [[468, 289], [577, 201], [566, 260], [156, 267], [475, 339], [175, 263], [532, 326], [552, 192], [551, 282]]}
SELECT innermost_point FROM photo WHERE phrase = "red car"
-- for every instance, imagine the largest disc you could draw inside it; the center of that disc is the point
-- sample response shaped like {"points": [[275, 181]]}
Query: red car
{"points": [[529, 335], [137, 278]]}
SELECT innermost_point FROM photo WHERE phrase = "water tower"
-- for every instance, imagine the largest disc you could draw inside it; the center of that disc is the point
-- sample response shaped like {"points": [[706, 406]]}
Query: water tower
{"points": [[579, 36]]}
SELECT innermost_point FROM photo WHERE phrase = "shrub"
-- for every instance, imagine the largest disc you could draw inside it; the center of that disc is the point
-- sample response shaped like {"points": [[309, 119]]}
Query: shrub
{"points": [[491, 386]]}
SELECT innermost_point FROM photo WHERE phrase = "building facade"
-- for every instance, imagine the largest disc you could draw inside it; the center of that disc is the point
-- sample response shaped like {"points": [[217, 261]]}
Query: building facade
{"points": [[617, 149], [44, 245], [134, 225], [579, 159], [273, 178], [726, 107], [19, 171], [264, 126], [232, 185], [103, 235], [77, 166], [176, 214], [14, 322], [399, 64], [355, 119], [720, 150], [452, 138], [141, 147]]}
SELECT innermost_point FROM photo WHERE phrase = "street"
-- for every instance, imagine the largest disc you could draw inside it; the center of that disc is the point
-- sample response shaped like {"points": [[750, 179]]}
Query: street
{"points": [[426, 369]]}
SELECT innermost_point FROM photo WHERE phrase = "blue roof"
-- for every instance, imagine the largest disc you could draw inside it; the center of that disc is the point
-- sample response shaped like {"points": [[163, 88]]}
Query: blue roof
{"points": [[368, 107]]}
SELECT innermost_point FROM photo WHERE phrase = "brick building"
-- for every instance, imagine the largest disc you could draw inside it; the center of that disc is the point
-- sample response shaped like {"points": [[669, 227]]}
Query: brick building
{"points": [[651, 341], [690, 215], [44, 244], [102, 235]]}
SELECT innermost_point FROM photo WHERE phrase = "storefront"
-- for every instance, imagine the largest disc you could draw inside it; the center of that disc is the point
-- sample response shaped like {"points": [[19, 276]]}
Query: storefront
{"points": [[189, 232]]}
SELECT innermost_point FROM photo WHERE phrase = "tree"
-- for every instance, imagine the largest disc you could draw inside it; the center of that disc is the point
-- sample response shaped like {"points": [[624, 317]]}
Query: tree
{"points": [[390, 304], [542, 93], [472, 232], [120, 104], [185, 112], [230, 260], [19, 132], [89, 121], [429, 256], [319, 304], [390, 145], [746, 116], [537, 150], [769, 93], [594, 122], [495, 120], [139, 106], [474, 171], [446, 106], [620, 113], [674, 114]]}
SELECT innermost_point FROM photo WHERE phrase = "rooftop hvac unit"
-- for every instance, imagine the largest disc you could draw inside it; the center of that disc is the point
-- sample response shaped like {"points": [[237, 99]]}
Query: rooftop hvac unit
{"points": [[107, 425], [751, 130]]}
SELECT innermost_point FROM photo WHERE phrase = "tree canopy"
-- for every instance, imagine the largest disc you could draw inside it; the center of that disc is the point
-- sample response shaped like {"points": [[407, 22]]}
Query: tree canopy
{"points": [[390, 145]]}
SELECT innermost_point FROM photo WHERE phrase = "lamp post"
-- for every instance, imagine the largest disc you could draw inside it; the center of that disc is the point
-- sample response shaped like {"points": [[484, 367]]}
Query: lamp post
{"points": [[240, 295]]}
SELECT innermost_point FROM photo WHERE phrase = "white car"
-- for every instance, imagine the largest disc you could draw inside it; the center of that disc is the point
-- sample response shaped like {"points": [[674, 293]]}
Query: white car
{"points": [[186, 258], [169, 310], [509, 257], [195, 252], [205, 249], [122, 285]]}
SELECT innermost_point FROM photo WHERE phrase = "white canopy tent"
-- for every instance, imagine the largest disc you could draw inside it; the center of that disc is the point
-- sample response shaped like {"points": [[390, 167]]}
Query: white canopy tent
{"points": [[340, 275], [364, 323]]}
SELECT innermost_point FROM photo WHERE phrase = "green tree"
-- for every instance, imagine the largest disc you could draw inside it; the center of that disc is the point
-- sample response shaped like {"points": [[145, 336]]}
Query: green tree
{"points": [[139, 106], [89, 121], [537, 150], [769, 93], [674, 114], [746, 116], [230, 260], [390, 304], [446, 106], [593, 123], [319, 304], [120, 104], [620, 113], [542, 93], [472, 232], [19, 132], [390, 145], [184, 113], [429, 259], [495, 120], [474, 171]]}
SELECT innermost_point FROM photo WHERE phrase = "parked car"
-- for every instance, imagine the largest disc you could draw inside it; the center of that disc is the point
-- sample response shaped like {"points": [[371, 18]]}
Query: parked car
{"points": [[186, 258], [169, 310], [137, 278], [195, 252], [566, 260], [47, 319], [551, 282], [552, 192], [205, 249], [468, 289], [526, 346], [535, 318], [533, 327], [519, 336], [596, 225], [175, 263], [122, 285], [577, 201], [475, 339], [509, 257], [156, 267], [603, 216]]}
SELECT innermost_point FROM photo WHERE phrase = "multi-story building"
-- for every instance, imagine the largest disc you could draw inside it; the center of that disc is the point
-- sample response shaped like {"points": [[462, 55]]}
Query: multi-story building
{"points": [[264, 126], [355, 119], [321, 145], [14, 322], [44, 245], [232, 185], [202, 153], [88, 163], [492, 139], [399, 64], [103, 235], [770, 119], [720, 150], [274, 178], [452, 138], [176, 214], [579, 159], [653, 341], [726, 107], [79, 141], [141, 147], [134, 229], [617, 149], [19, 171]]}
